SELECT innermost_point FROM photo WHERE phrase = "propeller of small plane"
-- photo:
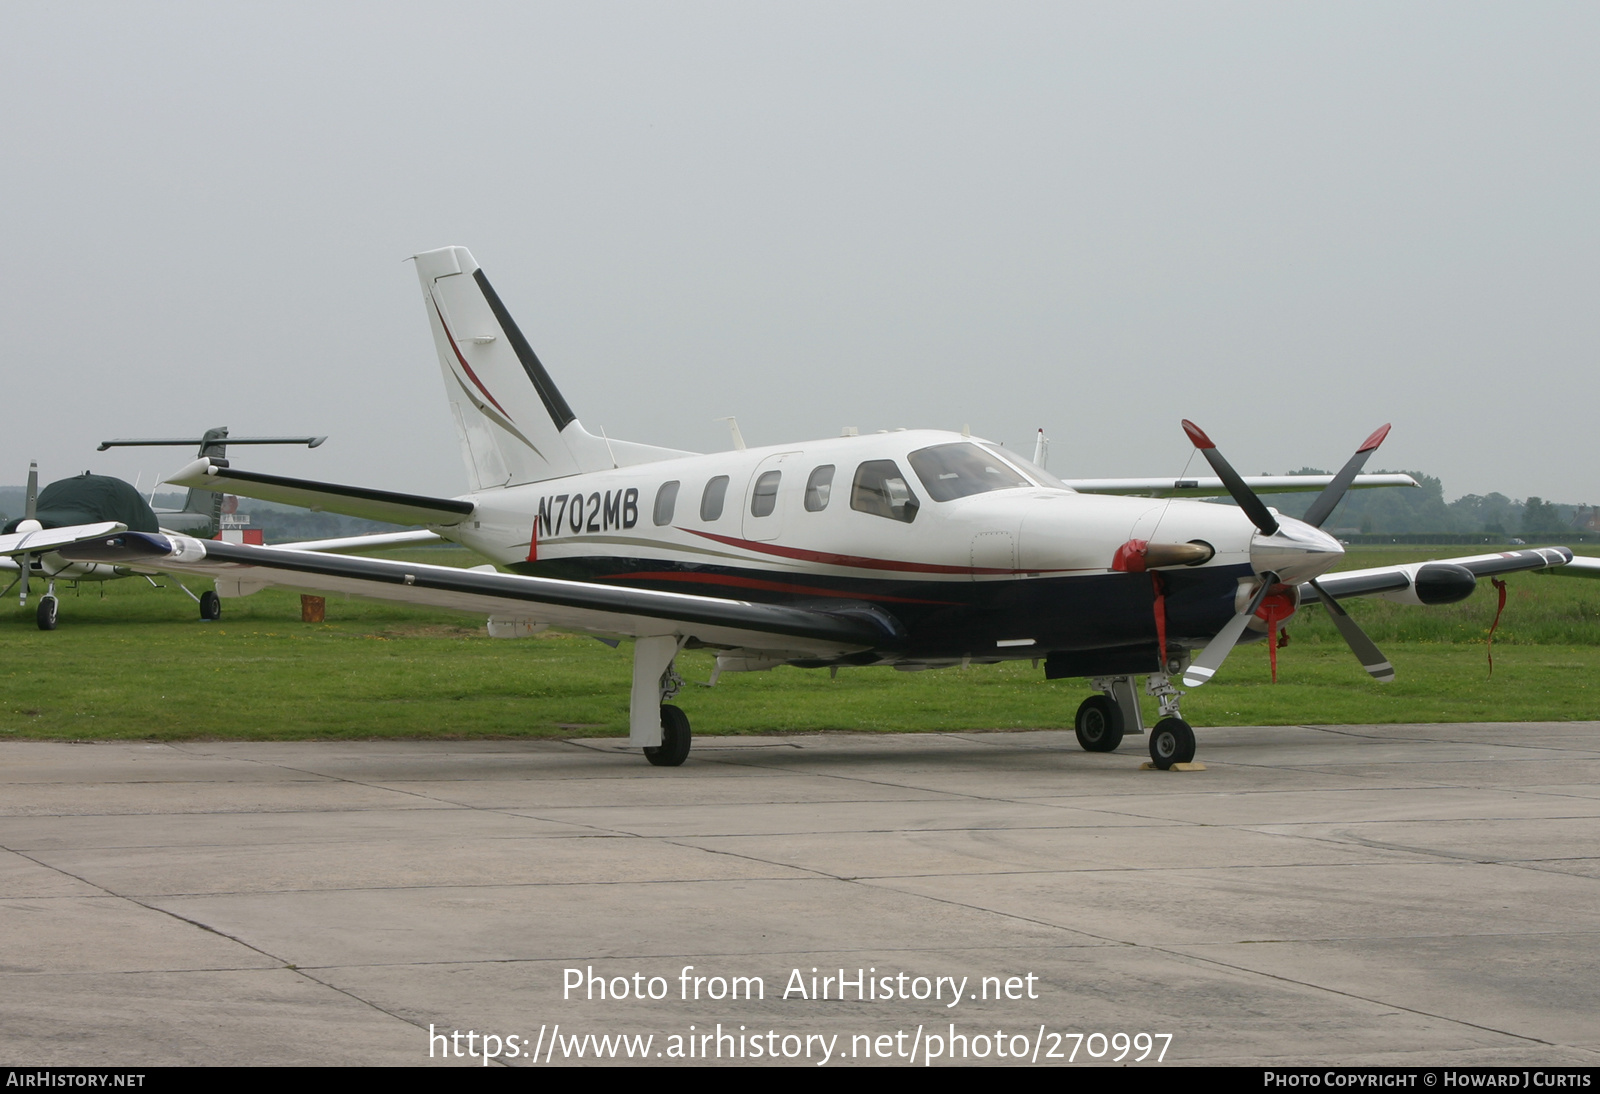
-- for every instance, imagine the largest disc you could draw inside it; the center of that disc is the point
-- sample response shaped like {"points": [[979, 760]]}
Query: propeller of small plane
{"points": [[1273, 601], [29, 522]]}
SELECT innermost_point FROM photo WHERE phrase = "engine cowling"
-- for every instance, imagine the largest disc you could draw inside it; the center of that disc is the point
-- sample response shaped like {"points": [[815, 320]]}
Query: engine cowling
{"points": [[1434, 583]]}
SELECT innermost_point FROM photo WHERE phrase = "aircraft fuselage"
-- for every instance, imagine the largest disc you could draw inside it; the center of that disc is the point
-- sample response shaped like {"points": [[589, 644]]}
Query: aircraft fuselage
{"points": [[972, 550]]}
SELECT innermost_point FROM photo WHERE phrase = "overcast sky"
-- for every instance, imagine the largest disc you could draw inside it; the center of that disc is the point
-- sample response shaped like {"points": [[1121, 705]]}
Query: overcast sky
{"points": [[1289, 222]]}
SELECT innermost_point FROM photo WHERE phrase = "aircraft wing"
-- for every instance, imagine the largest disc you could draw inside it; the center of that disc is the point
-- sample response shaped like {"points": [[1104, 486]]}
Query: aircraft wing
{"points": [[353, 501], [1210, 487], [50, 539], [570, 605], [1446, 580], [1580, 567]]}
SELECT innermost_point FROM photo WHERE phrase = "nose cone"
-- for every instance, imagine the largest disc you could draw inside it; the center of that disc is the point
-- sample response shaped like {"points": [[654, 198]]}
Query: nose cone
{"points": [[1296, 552]]}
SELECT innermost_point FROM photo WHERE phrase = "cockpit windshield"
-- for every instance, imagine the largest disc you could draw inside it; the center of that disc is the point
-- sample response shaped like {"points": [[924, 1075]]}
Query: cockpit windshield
{"points": [[1028, 467], [951, 471]]}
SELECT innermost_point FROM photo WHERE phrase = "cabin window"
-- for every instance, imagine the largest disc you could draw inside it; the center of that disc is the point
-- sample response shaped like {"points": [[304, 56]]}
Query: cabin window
{"points": [[880, 489], [764, 499], [951, 471], [818, 487], [666, 502], [711, 500]]}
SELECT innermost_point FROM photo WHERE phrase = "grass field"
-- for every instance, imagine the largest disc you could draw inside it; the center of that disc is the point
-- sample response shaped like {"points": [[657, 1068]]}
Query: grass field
{"points": [[138, 664]]}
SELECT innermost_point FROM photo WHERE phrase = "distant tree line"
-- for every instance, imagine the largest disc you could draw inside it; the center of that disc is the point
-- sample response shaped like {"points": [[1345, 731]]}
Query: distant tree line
{"points": [[1400, 511]]}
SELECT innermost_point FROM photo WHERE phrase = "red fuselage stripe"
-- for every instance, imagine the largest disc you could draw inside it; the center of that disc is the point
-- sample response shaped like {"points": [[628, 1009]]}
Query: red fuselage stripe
{"points": [[862, 562]]}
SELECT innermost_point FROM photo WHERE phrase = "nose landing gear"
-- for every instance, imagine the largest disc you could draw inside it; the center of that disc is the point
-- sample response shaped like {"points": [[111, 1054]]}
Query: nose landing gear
{"points": [[1171, 742]]}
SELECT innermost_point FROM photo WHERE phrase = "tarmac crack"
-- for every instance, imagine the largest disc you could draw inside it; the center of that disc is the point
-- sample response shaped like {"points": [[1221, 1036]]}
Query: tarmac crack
{"points": [[1399, 1007], [277, 960]]}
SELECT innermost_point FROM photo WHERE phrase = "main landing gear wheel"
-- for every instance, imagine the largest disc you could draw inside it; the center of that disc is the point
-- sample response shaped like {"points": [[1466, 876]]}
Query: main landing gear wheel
{"points": [[47, 613], [210, 606], [674, 747], [1171, 742], [1099, 724]]}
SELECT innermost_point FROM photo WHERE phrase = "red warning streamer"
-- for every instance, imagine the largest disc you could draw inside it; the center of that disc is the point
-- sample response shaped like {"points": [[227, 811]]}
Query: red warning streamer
{"points": [[1275, 607], [1501, 587], [1161, 615]]}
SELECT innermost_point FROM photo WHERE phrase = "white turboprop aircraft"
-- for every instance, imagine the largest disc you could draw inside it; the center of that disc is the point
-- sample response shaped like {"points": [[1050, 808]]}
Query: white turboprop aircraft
{"points": [[914, 549]]}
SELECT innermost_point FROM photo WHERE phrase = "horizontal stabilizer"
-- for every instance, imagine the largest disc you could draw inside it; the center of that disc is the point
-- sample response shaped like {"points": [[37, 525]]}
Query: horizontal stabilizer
{"points": [[1212, 487], [191, 442], [353, 501]]}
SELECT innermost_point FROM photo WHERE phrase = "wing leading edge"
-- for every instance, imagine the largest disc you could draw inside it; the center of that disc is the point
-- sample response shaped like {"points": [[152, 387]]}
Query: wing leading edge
{"points": [[1446, 580]]}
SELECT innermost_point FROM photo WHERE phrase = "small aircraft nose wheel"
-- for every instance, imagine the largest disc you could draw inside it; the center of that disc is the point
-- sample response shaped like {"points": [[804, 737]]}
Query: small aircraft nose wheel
{"points": [[210, 606], [1171, 742], [1099, 724], [674, 747], [47, 613]]}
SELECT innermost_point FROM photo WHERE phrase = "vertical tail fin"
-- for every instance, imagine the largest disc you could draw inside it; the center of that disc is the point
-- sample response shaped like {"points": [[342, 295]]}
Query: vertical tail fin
{"points": [[208, 503], [512, 421]]}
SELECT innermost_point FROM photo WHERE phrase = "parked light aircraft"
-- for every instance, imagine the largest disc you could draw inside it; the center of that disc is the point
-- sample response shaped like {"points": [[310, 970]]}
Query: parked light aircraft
{"points": [[916, 549], [88, 506]]}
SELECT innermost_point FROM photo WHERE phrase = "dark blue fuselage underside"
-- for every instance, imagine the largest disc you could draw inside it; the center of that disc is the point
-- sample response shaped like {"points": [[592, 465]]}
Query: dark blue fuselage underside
{"points": [[955, 619]]}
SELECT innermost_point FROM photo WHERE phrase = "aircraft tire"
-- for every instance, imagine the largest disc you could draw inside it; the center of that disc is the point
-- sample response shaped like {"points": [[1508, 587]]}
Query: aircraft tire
{"points": [[1099, 724], [210, 606], [47, 613], [1171, 742], [674, 747]]}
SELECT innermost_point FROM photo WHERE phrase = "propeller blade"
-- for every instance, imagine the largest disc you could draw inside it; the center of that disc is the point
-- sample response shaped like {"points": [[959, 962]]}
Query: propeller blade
{"points": [[1370, 656], [30, 512], [1205, 666], [1334, 492], [1253, 507]]}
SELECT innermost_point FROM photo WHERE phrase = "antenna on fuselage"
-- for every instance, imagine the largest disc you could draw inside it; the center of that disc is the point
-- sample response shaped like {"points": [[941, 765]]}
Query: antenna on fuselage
{"points": [[733, 427]]}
